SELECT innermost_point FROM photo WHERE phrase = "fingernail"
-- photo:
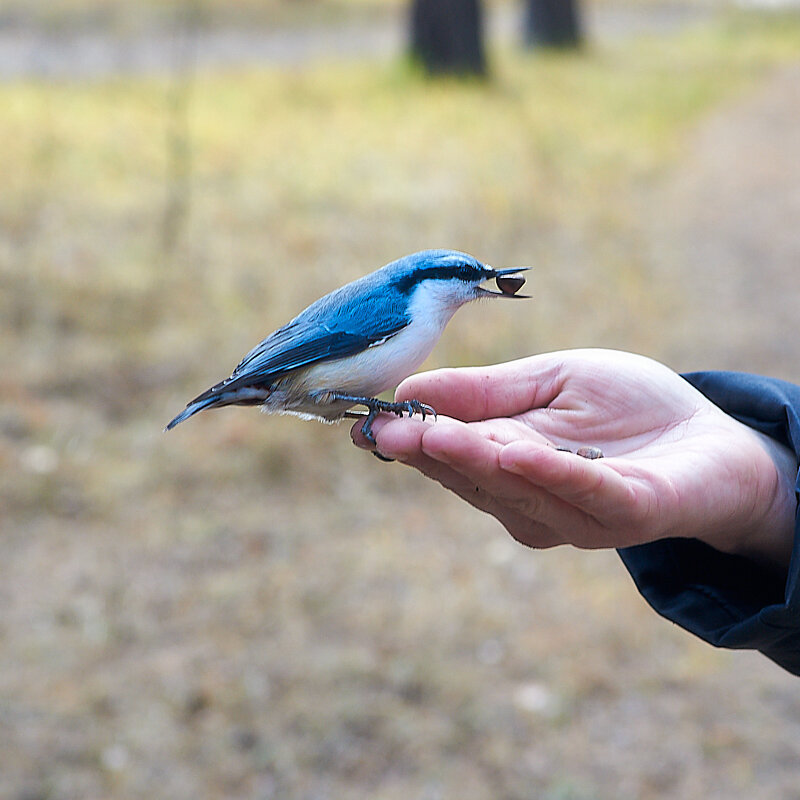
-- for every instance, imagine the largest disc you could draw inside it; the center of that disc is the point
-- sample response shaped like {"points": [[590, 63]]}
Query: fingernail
{"points": [[360, 441], [437, 455], [508, 460]]}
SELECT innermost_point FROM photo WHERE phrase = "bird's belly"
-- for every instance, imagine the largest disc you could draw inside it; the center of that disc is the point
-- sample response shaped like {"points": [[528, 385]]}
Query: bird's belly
{"points": [[375, 369], [307, 392]]}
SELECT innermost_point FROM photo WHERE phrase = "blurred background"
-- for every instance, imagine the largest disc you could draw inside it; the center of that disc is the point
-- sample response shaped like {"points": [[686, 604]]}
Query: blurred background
{"points": [[250, 607]]}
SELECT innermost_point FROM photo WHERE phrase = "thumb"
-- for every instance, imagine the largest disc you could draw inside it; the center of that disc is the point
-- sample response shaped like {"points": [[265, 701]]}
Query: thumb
{"points": [[499, 390]]}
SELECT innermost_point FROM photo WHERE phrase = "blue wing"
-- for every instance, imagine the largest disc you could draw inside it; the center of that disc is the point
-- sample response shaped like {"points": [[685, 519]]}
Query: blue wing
{"points": [[307, 339], [270, 360]]}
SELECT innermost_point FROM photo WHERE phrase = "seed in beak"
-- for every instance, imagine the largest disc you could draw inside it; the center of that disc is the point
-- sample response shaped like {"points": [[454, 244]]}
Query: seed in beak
{"points": [[509, 284]]}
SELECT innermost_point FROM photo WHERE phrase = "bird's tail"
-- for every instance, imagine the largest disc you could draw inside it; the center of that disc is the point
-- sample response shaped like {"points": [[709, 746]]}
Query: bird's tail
{"points": [[216, 397], [190, 410]]}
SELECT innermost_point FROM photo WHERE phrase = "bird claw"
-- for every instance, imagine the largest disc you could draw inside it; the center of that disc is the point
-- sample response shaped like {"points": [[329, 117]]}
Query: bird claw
{"points": [[366, 428], [412, 407], [375, 406]]}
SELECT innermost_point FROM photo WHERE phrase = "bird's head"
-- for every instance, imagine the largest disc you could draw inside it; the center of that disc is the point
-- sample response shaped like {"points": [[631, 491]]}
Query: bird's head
{"points": [[451, 278]]}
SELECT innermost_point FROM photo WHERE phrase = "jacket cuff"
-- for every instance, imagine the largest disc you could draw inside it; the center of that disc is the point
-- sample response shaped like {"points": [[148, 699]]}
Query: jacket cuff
{"points": [[728, 600]]}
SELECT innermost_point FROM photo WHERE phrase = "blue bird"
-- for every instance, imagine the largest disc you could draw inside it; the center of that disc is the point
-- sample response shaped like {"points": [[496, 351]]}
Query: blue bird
{"points": [[358, 341]]}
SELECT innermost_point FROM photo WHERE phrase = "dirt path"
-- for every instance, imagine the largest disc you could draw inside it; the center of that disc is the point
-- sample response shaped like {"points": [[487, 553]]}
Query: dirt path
{"points": [[729, 221]]}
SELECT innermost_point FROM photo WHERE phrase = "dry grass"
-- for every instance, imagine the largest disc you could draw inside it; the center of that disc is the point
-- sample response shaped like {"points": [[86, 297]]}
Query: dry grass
{"points": [[251, 608]]}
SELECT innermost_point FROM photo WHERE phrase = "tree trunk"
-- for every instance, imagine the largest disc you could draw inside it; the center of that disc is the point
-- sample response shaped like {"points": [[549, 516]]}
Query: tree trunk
{"points": [[552, 23], [447, 36]]}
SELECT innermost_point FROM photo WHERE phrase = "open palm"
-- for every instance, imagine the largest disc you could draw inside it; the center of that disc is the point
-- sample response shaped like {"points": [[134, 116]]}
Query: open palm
{"points": [[674, 465]]}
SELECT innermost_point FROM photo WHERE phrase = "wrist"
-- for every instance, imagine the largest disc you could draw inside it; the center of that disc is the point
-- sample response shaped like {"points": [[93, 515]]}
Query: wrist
{"points": [[766, 528], [778, 529]]}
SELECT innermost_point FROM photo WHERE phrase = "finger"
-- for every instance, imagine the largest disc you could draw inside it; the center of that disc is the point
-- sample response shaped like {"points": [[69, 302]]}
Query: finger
{"points": [[500, 390], [396, 438], [477, 486], [521, 527], [465, 461], [513, 502], [475, 457], [593, 486], [532, 514], [357, 431], [449, 451], [505, 430], [401, 439]]}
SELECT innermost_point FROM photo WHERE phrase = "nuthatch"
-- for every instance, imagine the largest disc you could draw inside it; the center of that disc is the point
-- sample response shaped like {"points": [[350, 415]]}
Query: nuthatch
{"points": [[358, 341]]}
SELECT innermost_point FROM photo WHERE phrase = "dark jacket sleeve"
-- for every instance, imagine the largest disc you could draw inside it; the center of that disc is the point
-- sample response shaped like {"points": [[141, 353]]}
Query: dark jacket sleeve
{"points": [[728, 600]]}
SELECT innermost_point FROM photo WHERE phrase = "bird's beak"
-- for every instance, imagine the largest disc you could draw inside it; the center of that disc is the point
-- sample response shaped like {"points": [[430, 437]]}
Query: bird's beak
{"points": [[508, 281]]}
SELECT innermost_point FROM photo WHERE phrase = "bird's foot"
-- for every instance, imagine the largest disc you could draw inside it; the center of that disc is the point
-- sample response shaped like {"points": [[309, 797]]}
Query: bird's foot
{"points": [[375, 407]]}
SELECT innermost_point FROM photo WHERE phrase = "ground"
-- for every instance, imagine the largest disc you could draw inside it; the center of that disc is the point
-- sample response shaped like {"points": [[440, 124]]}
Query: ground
{"points": [[727, 219], [249, 607]]}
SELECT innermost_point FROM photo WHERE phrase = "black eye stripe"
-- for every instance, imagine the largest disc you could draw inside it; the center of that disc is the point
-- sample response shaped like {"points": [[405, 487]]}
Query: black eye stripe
{"points": [[463, 272]]}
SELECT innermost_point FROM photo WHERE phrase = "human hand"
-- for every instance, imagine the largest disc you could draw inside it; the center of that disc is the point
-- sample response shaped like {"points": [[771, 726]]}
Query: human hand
{"points": [[674, 465]]}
